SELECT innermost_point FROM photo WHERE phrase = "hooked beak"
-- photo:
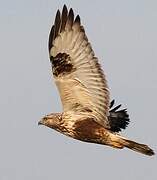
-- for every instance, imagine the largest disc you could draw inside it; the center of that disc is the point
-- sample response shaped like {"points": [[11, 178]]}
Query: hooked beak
{"points": [[40, 122]]}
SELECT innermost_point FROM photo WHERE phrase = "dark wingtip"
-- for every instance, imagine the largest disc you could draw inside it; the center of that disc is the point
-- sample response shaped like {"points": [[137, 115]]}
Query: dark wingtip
{"points": [[77, 19], [71, 12], [71, 15], [65, 10], [64, 6], [57, 23], [57, 16], [55, 29], [62, 20], [51, 38], [64, 17]]}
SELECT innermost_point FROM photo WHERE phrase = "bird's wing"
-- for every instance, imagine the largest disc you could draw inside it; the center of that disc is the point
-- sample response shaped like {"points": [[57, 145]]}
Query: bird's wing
{"points": [[78, 75]]}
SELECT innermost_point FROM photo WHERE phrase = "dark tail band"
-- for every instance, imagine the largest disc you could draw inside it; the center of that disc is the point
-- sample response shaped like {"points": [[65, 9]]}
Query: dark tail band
{"points": [[142, 148]]}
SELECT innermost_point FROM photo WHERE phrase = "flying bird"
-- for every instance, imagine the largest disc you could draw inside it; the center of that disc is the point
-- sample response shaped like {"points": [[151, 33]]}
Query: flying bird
{"points": [[88, 115]]}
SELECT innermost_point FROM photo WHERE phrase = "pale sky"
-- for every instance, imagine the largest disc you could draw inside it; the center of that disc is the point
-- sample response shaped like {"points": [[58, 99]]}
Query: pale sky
{"points": [[123, 35]]}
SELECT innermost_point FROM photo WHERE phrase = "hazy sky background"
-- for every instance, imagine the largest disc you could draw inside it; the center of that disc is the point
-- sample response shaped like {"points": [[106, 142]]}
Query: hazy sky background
{"points": [[123, 34]]}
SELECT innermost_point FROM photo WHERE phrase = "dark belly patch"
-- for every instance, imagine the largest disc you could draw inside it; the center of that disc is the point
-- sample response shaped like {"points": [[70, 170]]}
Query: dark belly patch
{"points": [[88, 129], [61, 64]]}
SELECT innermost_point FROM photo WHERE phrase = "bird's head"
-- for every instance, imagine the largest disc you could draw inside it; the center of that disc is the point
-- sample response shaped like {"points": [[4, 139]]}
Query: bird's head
{"points": [[52, 120]]}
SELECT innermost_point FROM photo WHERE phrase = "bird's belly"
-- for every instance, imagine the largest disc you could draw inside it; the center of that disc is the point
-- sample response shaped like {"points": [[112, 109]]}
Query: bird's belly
{"points": [[90, 131]]}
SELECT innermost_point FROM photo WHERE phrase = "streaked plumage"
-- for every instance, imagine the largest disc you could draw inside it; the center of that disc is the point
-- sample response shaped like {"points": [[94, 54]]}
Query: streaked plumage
{"points": [[87, 112]]}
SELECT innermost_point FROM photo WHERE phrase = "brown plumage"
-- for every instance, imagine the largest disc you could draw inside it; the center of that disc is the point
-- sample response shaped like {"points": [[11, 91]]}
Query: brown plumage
{"points": [[87, 114]]}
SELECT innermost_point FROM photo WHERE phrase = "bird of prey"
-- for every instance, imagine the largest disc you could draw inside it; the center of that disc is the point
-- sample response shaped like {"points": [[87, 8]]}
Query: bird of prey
{"points": [[87, 113]]}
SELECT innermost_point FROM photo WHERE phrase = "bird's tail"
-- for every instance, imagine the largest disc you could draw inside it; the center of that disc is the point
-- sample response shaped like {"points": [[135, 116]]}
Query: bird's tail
{"points": [[121, 142]]}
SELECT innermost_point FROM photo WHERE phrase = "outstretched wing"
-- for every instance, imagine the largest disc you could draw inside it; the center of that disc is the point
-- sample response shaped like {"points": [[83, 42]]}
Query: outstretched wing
{"points": [[78, 75]]}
